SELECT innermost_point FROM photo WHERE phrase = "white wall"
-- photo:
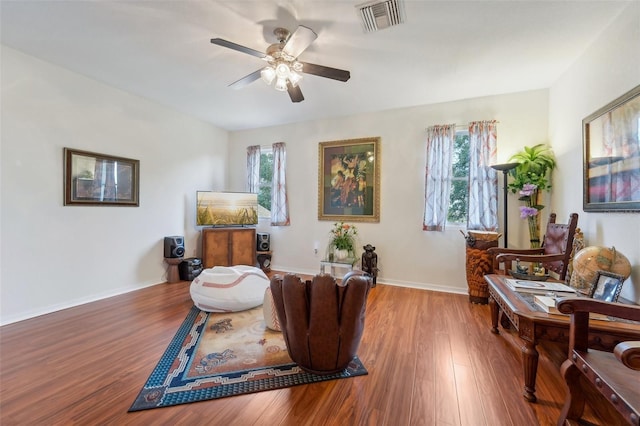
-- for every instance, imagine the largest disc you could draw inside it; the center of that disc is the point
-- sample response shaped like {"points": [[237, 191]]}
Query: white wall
{"points": [[407, 255], [608, 69], [53, 256]]}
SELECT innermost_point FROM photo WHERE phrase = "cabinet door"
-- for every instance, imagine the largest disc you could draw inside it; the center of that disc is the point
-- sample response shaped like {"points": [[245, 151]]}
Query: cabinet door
{"points": [[243, 247], [215, 247]]}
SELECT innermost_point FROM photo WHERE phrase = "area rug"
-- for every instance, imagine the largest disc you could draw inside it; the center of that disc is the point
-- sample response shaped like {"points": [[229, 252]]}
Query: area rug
{"points": [[216, 355]]}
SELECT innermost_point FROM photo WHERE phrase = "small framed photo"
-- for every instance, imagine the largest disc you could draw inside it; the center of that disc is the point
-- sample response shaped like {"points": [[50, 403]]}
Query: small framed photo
{"points": [[606, 286]]}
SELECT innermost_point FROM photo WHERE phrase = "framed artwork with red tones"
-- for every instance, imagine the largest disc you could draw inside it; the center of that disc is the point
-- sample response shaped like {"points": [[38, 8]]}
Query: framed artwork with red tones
{"points": [[349, 180]]}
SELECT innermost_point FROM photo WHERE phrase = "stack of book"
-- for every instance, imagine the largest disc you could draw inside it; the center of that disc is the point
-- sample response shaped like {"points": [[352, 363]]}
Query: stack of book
{"points": [[548, 305]]}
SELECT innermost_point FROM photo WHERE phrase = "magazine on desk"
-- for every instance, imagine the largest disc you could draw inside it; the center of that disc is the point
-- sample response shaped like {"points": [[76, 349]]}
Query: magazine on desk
{"points": [[539, 287]]}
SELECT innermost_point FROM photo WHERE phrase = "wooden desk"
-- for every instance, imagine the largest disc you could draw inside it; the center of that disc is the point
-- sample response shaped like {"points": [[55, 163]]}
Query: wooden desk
{"points": [[534, 326]]}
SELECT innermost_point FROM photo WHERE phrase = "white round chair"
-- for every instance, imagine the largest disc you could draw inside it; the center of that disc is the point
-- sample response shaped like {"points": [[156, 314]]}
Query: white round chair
{"points": [[229, 288]]}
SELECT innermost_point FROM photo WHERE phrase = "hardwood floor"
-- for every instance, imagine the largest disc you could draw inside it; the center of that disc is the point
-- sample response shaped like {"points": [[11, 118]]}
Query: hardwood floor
{"points": [[431, 357]]}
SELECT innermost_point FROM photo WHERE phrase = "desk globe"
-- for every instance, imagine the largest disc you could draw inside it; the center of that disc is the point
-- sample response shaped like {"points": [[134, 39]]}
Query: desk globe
{"points": [[588, 261]]}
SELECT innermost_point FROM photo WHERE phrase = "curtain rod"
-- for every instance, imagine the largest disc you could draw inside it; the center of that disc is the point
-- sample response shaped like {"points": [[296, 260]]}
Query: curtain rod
{"points": [[463, 126]]}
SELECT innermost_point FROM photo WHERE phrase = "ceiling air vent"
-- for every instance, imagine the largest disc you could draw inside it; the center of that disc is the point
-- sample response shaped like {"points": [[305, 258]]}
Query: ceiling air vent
{"points": [[378, 15]]}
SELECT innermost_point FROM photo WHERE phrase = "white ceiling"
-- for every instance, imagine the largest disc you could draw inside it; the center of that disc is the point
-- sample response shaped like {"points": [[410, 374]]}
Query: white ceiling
{"points": [[446, 50]]}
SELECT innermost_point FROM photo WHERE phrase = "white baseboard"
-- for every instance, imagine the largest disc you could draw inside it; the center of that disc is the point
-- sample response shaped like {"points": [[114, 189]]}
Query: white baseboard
{"points": [[383, 280], [123, 290], [73, 303]]}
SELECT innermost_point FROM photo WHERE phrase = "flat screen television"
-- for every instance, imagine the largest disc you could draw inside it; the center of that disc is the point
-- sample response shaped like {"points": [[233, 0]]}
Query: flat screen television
{"points": [[226, 208]]}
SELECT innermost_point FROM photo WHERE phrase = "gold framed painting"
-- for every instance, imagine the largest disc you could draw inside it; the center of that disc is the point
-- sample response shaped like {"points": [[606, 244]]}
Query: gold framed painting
{"points": [[349, 180], [92, 179]]}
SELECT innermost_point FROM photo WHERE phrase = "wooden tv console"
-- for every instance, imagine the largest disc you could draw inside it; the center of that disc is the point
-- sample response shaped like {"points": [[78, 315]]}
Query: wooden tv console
{"points": [[228, 246]]}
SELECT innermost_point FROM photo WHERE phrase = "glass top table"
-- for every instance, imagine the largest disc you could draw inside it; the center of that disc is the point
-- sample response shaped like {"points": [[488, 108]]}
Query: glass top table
{"points": [[347, 263]]}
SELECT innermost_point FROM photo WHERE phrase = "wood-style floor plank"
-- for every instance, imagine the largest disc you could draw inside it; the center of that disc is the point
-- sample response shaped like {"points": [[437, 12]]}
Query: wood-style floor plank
{"points": [[431, 357]]}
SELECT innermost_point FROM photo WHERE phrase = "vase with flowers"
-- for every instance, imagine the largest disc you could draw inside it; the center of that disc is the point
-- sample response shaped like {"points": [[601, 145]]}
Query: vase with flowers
{"points": [[530, 178], [342, 241]]}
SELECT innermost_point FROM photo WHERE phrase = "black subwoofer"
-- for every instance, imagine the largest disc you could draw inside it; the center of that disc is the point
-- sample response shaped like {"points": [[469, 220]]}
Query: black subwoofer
{"points": [[190, 268], [174, 246], [264, 241], [264, 261]]}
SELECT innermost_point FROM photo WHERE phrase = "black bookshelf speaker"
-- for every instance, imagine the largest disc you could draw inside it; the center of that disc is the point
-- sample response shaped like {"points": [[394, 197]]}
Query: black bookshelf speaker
{"points": [[264, 241], [174, 246]]}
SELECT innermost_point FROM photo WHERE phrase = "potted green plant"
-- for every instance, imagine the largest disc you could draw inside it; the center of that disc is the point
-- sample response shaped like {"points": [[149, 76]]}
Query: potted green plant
{"points": [[530, 178]]}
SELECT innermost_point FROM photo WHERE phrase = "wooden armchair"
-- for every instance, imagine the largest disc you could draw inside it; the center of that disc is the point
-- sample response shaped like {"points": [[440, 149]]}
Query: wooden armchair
{"points": [[615, 375], [554, 255]]}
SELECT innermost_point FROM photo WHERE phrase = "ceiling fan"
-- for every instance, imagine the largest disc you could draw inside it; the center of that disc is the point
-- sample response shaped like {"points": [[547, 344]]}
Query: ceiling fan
{"points": [[283, 66]]}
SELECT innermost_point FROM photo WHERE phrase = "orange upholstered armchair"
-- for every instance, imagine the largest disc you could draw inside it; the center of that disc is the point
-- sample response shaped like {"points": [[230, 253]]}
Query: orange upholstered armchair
{"points": [[554, 254], [322, 321]]}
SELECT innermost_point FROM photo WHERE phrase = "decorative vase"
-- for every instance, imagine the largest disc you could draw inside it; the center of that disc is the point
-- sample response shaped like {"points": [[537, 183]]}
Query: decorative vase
{"points": [[534, 221], [341, 254], [534, 230]]}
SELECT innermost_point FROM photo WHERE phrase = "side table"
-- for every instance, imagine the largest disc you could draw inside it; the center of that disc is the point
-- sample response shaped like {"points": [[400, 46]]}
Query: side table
{"points": [[264, 260], [173, 274], [333, 264]]}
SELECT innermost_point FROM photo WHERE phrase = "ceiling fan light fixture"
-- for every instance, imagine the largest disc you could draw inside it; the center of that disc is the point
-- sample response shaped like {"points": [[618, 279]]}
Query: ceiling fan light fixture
{"points": [[294, 78], [268, 74], [282, 70], [281, 84], [281, 59]]}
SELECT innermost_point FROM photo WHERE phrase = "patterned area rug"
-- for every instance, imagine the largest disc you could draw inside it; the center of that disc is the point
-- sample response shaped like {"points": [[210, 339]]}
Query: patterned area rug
{"points": [[217, 355]]}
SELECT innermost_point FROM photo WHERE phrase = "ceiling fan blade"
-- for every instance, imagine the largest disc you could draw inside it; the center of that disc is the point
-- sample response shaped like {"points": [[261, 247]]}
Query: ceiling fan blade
{"points": [[328, 72], [238, 47], [299, 41], [294, 92], [246, 80]]}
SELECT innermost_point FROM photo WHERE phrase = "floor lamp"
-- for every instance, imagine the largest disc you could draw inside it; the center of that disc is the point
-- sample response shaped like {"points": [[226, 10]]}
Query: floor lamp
{"points": [[504, 168]]}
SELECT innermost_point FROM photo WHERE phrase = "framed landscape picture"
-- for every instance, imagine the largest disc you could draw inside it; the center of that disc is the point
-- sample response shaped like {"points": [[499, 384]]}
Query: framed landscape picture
{"points": [[93, 179], [349, 180]]}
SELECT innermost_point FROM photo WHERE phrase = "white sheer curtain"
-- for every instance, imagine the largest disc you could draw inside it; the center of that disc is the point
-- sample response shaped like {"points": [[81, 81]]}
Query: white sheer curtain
{"points": [[483, 180], [440, 141], [253, 168], [279, 202]]}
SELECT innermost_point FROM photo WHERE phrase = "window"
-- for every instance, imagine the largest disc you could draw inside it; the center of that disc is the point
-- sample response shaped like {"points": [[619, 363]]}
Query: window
{"points": [[459, 181], [459, 195], [266, 182]]}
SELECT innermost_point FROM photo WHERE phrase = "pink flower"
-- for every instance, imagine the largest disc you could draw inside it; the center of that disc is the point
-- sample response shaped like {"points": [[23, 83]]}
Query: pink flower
{"points": [[527, 211]]}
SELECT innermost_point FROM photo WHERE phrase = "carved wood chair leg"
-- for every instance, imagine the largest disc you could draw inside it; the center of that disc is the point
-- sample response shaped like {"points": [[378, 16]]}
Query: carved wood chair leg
{"points": [[574, 402]]}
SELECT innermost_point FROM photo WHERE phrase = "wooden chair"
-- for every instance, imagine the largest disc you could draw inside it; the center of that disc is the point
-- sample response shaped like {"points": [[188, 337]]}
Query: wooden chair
{"points": [[615, 375], [554, 254]]}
